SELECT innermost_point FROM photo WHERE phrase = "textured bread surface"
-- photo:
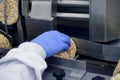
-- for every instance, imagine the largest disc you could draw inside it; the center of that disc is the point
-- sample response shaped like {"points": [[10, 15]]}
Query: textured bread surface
{"points": [[11, 11], [4, 42], [116, 73], [70, 54], [116, 77]]}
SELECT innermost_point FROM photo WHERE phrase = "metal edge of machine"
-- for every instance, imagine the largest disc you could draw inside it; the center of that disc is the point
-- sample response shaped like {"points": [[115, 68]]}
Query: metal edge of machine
{"points": [[108, 52]]}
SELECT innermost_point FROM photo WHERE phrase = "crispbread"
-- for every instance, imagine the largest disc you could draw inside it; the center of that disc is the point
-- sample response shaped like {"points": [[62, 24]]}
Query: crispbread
{"points": [[117, 69], [4, 42], [11, 11], [116, 77], [70, 54], [116, 73]]}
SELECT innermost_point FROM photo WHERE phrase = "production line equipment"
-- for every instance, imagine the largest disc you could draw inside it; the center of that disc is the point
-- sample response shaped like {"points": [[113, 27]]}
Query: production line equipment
{"points": [[93, 24]]}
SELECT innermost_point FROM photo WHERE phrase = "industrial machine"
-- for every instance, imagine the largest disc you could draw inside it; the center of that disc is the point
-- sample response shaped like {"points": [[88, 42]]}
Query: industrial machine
{"points": [[93, 25]]}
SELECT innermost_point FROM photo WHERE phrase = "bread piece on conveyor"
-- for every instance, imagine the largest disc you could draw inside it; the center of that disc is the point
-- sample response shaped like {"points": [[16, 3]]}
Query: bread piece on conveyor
{"points": [[11, 11], [116, 73], [70, 54], [4, 42]]}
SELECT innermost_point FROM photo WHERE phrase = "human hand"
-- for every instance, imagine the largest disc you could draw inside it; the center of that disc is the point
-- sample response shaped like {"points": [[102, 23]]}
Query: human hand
{"points": [[53, 42]]}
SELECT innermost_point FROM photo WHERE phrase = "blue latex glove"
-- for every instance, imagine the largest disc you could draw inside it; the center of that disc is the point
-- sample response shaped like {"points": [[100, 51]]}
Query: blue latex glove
{"points": [[53, 42]]}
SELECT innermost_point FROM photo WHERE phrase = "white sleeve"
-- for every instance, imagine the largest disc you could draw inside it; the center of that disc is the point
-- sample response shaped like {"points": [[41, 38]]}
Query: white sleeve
{"points": [[23, 63]]}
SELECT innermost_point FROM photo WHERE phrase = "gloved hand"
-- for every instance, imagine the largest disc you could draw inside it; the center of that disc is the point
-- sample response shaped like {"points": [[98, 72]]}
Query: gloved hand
{"points": [[53, 42]]}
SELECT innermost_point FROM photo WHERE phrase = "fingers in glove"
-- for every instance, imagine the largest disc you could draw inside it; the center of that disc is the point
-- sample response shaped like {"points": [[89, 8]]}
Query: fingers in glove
{"points": [[65, 39]]}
